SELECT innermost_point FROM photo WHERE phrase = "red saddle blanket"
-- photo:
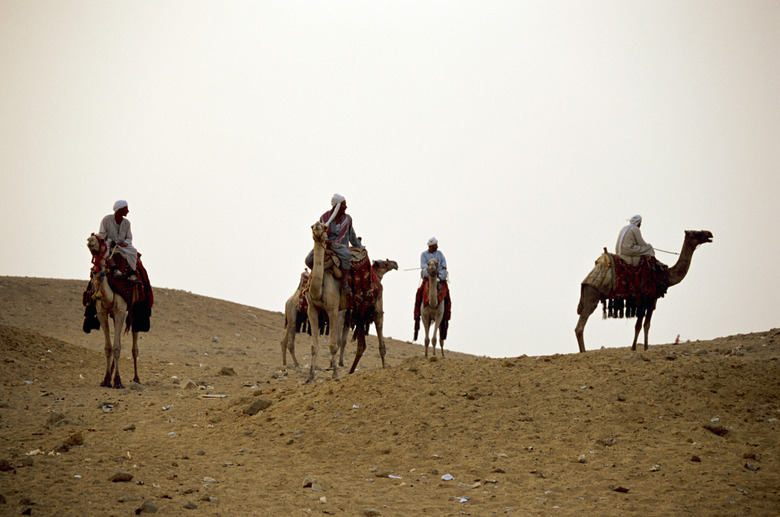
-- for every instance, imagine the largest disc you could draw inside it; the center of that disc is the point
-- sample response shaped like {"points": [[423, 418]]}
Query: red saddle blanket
{"points": [[421, 297], [649, 279], [365, 286]]}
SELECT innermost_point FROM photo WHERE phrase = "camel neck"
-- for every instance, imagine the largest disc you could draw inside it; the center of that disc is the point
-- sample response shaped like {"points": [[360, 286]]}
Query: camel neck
{"points": [[678, 271]]}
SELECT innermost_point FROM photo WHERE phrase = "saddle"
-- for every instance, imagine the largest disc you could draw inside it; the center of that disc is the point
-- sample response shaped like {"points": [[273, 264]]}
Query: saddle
{"points": [[634, 287], [133, 286], [421, 298], [365, 283]]}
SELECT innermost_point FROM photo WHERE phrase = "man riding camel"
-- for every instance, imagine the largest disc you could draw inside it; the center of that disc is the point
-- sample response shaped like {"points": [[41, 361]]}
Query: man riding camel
{"points": [[433, 253], [340, 235], [116, 228], [630, 244]]}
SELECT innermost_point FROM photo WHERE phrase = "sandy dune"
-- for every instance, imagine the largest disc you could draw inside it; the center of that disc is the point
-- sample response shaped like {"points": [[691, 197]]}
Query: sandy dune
{"points": [[678, 430]]}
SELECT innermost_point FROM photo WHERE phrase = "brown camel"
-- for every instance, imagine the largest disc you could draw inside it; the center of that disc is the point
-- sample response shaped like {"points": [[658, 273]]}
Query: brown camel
{"points": [[324, 294], [109, 303], [380, 267], [290, 321], [590, 295], [433, 311]]}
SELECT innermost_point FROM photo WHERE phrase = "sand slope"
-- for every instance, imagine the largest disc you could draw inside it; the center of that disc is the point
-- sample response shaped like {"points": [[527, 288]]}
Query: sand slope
{"points": [[680, 429]]}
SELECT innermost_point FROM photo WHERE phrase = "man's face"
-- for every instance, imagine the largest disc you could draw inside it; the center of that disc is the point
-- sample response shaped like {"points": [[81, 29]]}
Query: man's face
{"points": [[433, 247], [123, 211]]}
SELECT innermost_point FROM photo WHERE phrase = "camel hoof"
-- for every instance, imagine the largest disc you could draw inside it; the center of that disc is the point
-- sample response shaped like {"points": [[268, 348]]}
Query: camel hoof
{"points": [[105, 384]]}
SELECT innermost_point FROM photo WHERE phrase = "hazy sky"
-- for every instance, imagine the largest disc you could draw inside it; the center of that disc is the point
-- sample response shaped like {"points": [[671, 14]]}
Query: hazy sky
{"points": [[521, 134]]}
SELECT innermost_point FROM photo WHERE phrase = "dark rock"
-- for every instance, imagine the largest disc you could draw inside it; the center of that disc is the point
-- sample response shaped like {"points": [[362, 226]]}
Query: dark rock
{"points": [[257, 406], [121, 476]]}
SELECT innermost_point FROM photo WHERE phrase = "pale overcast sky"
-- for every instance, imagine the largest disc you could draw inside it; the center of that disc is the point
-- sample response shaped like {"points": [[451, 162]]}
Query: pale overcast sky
{"points": [[521, 134]]}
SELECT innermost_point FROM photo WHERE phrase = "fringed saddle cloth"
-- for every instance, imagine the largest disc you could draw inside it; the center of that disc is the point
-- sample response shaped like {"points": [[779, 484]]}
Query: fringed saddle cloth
{"points": [[633, 286], [365, 284]]}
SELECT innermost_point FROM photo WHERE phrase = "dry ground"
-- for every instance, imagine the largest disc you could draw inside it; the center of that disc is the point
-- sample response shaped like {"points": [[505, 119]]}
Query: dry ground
{"points": [[680, 429]]}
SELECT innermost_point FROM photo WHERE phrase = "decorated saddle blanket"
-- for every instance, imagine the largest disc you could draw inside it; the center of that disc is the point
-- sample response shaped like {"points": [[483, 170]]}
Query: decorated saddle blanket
{"points": [[365, 286], [632, 287], [137, 294]]}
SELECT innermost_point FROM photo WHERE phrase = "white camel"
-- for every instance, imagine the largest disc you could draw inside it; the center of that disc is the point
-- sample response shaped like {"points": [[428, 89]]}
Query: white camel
{"points": [[109, 303], [433, 311], [324, 294]]}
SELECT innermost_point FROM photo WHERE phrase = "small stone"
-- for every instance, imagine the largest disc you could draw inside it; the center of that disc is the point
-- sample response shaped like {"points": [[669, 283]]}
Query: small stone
{"points": [[121, 476], [147, 507], [130, 427], [74, 440], [188, 384], [257, 406], [582, 458], [371, 512], [191, 506], [5, 465]]}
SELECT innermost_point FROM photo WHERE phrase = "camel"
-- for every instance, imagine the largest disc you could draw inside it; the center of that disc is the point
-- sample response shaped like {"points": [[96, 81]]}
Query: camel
{"points": [[591, 295], [290, 322], [109, 303], [324, 294], [433, 311], [380, 267]]}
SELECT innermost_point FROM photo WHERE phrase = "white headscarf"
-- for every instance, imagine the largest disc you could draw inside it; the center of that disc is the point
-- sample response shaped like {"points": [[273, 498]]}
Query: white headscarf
{"points": [[120, 204], [432, 241], [335, 202], [631, 222]]}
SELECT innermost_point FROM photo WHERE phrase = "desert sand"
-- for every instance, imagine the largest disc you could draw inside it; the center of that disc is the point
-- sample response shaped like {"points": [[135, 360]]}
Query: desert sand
{"points": [[218, 427]]}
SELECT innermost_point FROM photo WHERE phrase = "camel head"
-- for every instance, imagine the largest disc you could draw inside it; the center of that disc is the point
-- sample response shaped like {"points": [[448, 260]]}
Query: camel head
{"points": [[94, 242], [697, 237], [433, 267], [319, 232], [387, 264]]}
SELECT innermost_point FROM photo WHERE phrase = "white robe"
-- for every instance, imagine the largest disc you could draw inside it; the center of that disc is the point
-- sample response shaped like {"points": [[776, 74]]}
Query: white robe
{"points": [[120, 233], [630, 245]]}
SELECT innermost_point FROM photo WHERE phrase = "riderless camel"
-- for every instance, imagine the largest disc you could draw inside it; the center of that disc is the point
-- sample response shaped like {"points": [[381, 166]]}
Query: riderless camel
{"points": [[380, 267], [590, 295]]}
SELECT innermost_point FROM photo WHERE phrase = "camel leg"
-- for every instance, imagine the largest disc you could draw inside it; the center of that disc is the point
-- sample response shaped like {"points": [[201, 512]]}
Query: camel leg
{"points": [[314, 324], [640, 316], [361, 347], [379, 318], [441, 341], [344, 332], [135, 358], [291, 348], [103, 318], [647, 325], [119, 320], [333, 315], [436, 324], [589, 300], [426, 323]]}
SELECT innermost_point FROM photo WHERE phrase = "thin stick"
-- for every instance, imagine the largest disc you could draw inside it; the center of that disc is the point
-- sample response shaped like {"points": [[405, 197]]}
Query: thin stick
{"points": [[664, 251], [413, 269]]}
